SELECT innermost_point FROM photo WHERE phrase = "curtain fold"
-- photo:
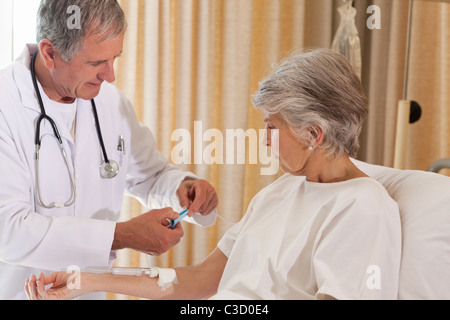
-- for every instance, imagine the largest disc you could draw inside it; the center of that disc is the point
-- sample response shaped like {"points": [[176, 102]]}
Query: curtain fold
{"points": [[383, 69], [196, 63]]}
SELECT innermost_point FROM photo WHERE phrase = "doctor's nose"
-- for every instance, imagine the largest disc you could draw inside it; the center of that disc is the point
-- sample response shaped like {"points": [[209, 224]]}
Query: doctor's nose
{"points": [[107, 73]]}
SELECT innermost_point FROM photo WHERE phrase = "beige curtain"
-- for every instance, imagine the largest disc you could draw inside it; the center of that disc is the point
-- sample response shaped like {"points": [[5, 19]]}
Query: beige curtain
{"points": [[429, 84], [201, 60], [428, 80]]}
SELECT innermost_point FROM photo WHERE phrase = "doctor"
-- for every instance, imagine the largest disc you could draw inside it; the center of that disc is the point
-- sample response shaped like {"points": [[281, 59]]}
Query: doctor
{"points": [[71, 147]]}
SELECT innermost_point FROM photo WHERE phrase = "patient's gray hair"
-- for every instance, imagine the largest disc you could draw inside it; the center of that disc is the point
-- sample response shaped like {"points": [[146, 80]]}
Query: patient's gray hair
{"points": [[317, 88], [102, 18]]}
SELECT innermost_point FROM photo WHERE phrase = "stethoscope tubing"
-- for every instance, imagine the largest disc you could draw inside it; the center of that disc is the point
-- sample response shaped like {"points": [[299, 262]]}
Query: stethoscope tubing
{"points": [[99, 131], [111, 170], [43, 115]]}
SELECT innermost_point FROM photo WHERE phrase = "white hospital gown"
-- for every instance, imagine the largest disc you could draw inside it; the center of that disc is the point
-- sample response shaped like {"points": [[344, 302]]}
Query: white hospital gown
{"points": [[301, 239]]}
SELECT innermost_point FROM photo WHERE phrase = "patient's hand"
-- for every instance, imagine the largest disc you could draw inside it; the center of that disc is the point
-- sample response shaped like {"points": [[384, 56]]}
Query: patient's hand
{"points": [[64, 287]]}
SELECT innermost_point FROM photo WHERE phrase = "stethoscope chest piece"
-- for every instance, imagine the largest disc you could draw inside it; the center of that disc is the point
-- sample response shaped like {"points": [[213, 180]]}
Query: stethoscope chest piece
{"points": [[109, 170]]}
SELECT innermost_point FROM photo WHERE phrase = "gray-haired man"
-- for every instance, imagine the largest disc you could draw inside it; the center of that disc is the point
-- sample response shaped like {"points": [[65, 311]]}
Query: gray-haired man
{"points": [[62, 210]]}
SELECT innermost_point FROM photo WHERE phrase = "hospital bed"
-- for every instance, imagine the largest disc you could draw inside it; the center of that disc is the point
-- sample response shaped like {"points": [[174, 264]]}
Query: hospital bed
{"points": [[439, 165], [424, 202]]}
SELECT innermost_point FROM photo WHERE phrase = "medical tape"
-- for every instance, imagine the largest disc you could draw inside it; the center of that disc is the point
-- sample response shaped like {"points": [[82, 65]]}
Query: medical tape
{"points": [[166, 277]]}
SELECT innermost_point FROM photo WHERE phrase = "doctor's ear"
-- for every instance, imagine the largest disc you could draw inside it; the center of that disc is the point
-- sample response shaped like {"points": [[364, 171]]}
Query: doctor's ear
{"points": [[48, 53]]}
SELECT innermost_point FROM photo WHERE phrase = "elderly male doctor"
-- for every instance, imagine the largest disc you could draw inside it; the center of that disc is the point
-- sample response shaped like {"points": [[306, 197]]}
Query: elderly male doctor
{"points": [[62, 210]]}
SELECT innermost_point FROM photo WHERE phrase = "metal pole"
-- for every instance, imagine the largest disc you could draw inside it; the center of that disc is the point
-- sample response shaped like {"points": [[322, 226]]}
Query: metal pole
{"points": [[408, 47]]}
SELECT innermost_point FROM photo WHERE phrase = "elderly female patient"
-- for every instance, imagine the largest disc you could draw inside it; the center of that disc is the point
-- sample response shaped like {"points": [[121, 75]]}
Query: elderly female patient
{"points": [[323, 230]]}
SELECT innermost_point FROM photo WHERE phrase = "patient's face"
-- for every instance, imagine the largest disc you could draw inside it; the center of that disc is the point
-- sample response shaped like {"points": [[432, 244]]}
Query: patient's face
{"points": [[290, 151]]}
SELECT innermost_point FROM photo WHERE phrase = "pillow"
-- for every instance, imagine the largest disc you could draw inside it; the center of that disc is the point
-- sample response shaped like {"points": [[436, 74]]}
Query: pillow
{"points": [[424, 203]]}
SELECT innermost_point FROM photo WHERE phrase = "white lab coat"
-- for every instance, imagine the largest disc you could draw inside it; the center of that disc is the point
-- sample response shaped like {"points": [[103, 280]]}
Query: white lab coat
{"points": [[33, 238]]}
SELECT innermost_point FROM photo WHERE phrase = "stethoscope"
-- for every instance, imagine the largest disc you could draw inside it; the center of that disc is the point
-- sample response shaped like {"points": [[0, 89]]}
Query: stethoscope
{"points": [[109, 169]]}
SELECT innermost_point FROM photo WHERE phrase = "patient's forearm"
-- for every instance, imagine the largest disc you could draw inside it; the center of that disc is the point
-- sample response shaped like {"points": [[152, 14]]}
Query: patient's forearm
{"points": [[193, 282], [191, 285]]}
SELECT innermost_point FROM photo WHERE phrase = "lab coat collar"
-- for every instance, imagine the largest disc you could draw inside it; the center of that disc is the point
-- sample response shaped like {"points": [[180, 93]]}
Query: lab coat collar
{"points": [[24, 83], [22, 76]]}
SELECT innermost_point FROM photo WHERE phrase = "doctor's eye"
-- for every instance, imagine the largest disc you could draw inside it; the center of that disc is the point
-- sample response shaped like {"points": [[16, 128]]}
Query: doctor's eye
{"points": [[96, 64]]}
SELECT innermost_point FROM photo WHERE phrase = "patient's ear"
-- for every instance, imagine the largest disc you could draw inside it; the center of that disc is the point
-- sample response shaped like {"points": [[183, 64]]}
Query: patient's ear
{"points": [[316, 136]]}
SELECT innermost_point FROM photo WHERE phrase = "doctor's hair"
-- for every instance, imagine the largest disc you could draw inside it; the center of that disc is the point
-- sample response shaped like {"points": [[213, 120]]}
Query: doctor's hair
{"points": [[317, 89], [103, 19]]}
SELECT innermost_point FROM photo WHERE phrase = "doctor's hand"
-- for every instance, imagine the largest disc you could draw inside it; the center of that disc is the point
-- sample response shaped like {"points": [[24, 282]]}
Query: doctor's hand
{"points": [[149, 233], [198, 196]]}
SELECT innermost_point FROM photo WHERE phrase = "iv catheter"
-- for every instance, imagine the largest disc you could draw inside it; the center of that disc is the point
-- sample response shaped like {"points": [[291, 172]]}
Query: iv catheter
{"points": [[121, 271]]}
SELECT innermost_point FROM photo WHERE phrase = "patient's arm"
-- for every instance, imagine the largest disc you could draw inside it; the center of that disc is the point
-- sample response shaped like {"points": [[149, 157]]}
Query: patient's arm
{"points": [[193, 283]]}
